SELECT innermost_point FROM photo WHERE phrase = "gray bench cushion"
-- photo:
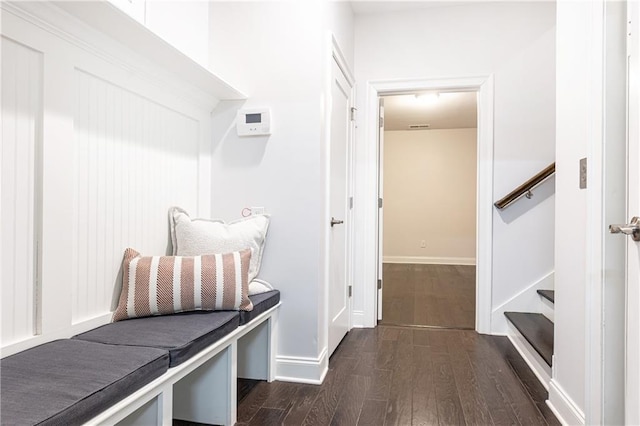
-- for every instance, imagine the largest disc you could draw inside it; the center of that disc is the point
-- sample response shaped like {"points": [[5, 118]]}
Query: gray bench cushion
{"points": [[261, 303], [68, 382], [183, 335]]}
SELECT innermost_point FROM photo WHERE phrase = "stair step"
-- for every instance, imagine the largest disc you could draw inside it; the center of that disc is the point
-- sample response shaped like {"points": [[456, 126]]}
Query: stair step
{"points": [[537, 330], [548, 294]]}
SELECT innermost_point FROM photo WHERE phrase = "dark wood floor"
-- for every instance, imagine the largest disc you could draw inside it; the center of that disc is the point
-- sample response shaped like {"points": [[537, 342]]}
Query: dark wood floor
{"points": [[429, 295], [408, 376]]}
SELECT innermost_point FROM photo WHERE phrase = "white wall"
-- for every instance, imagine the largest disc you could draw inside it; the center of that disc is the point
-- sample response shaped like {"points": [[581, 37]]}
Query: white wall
{"points": [[516, 43], [277, 52], [576, 76], [183, 24], [430, 196]]}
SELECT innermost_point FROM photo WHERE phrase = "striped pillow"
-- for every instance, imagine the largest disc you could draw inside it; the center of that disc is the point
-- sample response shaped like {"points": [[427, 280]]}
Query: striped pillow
{"points": [[160, 285]]}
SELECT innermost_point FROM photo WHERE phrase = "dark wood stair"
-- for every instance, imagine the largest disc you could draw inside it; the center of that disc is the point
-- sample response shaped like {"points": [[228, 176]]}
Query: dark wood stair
{"points": [[537, 330], [548, 294]]}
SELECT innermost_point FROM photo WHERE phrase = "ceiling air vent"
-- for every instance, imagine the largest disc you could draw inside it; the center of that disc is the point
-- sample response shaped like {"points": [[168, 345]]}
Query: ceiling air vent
{"points": [[419, 126]]}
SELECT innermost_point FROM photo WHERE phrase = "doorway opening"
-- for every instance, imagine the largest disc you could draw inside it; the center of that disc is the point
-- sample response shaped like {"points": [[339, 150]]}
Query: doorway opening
{"points": [[483, 86], [428, 180]]}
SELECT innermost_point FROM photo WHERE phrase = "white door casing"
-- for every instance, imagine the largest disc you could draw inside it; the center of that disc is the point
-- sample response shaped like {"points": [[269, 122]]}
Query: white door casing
{"points": [[484, 211], [632, 349], [380, 205], [606, 198], [339, 303]]}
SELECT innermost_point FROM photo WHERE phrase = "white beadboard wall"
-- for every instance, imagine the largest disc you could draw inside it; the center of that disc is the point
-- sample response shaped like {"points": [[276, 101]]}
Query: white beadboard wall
{"points": [[133, 158], [116, 139], [21, 100]]}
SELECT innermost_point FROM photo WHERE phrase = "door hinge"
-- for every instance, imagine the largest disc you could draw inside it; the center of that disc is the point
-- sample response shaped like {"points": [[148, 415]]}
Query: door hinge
{"points": [[381, 121], [350, 202], [379, 284], [583, 173], [353, 113], [350, 290], [631, 28], [379, 203]]}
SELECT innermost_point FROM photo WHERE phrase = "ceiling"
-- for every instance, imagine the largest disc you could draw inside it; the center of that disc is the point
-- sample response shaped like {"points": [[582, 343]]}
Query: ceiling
{"points": [[446, 110], [362, 7]]}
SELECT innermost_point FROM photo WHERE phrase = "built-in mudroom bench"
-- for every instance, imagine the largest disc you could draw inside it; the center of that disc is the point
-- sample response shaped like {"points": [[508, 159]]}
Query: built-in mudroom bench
{"points": [[145, 371]]}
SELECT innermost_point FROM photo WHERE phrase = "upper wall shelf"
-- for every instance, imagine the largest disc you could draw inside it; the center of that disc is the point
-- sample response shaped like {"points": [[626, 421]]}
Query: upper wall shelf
{"points": [[130, 34], [108, 19]]}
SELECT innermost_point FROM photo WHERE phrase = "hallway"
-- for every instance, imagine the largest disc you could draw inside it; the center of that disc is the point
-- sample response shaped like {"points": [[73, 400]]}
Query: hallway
{"points": [[429, 295], [408, 376]]}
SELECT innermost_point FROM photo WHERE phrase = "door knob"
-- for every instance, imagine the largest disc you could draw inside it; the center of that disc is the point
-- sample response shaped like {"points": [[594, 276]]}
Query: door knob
{"points": [[632, 229], [335, 221]]}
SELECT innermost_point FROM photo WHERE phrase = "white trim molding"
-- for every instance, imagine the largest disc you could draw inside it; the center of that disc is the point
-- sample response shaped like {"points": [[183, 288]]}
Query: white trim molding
{"points": [[64, 333], [426, 260], [368, 214], [302, 369], [528, 300], [563, 406], [128, 44]]}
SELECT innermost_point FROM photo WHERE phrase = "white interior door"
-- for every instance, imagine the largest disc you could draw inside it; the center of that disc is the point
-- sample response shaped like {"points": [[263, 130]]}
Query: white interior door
{"points": [[339, 297], [632, 362], [380, 204]]}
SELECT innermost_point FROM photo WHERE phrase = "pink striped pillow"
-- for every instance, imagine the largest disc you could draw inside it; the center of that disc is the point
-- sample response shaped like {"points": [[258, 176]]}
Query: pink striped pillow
{"points": [[160, 285]]}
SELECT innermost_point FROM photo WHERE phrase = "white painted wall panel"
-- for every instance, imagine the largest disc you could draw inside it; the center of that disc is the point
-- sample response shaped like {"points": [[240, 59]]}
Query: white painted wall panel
{"points": [[577, 41], [120, 140], [21, 121], [133, 159]]}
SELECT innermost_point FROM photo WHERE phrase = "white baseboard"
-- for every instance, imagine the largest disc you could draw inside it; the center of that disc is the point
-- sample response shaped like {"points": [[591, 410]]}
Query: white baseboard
{"points": [[301, 369], [528, 300], [424, 260], [563, 406]]}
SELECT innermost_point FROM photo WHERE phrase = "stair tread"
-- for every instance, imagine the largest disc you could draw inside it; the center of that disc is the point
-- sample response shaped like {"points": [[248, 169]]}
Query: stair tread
{"points": [[537, 330], [548, 294]]}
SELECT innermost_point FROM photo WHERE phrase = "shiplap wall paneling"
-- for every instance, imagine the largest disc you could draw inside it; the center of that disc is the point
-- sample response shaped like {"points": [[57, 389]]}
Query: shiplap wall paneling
{"points": [[133, 159], [21, 123]]}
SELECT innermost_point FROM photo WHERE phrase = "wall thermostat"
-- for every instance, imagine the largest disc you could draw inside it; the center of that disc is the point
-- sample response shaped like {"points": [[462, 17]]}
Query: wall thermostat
{"points": [[253, 122]]}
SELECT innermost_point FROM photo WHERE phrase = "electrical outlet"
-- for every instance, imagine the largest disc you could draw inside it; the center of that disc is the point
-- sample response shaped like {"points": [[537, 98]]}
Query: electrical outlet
{"points": [[423, 244], [257, 210]]}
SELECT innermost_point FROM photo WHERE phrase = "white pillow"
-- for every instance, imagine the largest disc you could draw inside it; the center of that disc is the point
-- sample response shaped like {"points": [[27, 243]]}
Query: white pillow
{"points": [[195, 237], [258, 286]]}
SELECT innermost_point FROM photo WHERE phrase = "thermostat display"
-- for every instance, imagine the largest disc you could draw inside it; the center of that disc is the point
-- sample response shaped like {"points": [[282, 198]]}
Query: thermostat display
{"points": [[253, 118], [253, 122]]}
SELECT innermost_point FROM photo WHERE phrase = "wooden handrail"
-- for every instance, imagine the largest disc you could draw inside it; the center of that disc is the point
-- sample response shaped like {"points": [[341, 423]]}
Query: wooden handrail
{"points": [[525, 188]]}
